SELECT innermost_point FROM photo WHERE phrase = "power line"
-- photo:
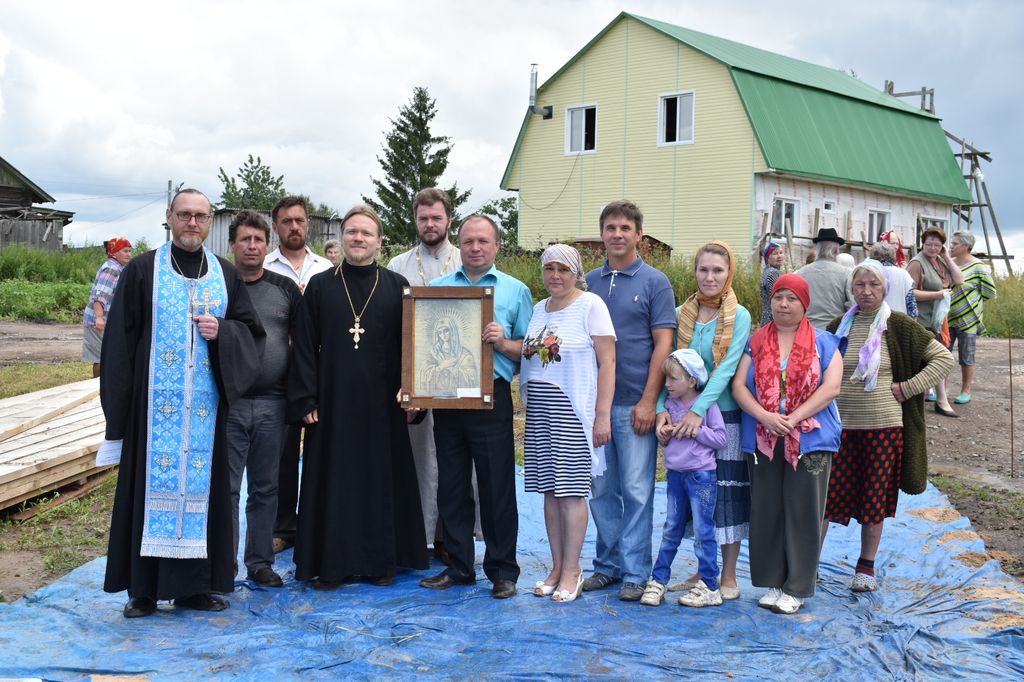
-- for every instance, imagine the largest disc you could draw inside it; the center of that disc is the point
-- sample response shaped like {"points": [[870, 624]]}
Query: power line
{"points": [[159, 198], [110, 196]]}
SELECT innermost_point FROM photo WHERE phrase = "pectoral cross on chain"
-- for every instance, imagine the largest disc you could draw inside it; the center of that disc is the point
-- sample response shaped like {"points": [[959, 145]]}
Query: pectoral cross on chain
{"points": [[356, 331], [206, 303]]}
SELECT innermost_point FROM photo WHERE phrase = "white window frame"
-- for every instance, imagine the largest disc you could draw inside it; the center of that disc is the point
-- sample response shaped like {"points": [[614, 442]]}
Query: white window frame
{"points": [[661, 118], [568, 127], [929, 221], [796, 214], [825, 209], [873, 231]]}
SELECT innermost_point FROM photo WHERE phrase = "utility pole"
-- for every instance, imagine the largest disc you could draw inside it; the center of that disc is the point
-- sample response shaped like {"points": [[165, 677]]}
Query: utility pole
{"points": [[167, 228]]}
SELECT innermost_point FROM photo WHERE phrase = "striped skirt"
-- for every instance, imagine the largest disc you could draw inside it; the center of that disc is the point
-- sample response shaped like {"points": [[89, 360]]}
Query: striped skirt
{"points": [[556, 456]]}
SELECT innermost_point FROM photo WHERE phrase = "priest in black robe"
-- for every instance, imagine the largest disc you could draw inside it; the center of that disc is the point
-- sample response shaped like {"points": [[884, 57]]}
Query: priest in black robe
{"points": [[125, 396], [359, 503]]}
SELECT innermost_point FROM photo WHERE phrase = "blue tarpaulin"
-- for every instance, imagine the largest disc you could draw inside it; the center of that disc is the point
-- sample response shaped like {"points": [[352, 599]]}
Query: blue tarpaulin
{"points": [[943, 611]]}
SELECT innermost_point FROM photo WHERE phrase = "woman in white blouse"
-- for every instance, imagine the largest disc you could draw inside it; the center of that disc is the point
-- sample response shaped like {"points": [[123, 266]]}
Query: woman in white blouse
{"points": [[567, 381]]}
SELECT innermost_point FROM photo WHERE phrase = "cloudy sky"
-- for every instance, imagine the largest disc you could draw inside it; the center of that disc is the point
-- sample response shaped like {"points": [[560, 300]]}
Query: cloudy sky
{"points": [[102, 103]]}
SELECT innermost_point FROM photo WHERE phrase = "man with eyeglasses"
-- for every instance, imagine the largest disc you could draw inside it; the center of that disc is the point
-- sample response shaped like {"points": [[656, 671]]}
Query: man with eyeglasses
{"points": [[180, 344], [296, 261]]}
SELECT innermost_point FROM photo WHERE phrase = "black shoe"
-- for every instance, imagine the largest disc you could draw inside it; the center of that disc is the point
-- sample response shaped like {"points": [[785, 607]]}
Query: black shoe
{"points": [[503, 589], [944, 412], [442, 581], [441, 554], [137, 607], [202, 602], [265, 577]]}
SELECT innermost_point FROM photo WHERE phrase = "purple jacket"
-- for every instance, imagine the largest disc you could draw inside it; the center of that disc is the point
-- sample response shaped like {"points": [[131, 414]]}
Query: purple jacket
{"points": [[697, 453]]}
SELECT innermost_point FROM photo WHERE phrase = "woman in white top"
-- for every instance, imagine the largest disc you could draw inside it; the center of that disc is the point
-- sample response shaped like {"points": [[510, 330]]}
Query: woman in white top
{"points": [[567, 381]]}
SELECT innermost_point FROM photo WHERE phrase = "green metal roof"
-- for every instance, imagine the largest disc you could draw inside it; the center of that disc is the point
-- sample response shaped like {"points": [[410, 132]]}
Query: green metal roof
{"points": [[805, 131], [753, 59], [818, 122]]}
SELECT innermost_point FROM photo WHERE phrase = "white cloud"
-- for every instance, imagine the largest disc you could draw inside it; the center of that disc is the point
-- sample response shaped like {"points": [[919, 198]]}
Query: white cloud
{"points": [[119, 97]]}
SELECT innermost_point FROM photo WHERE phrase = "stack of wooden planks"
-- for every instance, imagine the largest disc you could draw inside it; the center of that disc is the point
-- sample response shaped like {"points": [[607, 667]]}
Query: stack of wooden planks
{"points": [[49, 439]]}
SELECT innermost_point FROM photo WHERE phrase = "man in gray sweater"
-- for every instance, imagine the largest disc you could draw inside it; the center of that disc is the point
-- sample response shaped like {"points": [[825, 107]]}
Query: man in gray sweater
{"points": [[256, 424], [827, 280]]}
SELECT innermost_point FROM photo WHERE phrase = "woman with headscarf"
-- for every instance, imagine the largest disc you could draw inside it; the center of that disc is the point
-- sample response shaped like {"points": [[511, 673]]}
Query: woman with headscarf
{"points": [[786, 384], [713, 323], [899, 290], [119, 252], [567, 381], [890, 361], [935, 274], [774, 256]]}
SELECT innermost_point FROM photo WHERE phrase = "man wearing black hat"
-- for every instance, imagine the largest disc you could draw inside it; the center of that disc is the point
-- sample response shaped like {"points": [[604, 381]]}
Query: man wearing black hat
{"points": [[827, 279]]}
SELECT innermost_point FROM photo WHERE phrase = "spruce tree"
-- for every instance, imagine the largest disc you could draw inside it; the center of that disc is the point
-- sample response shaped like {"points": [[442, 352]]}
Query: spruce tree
{"points": [[412, 159]]}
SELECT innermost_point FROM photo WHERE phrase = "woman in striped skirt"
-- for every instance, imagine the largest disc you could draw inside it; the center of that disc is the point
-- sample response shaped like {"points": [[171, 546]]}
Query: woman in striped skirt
{"points": [[713, 323], [567, 381]]}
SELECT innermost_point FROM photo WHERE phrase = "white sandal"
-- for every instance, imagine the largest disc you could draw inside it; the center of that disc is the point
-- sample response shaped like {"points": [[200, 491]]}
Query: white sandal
{"points": [[563, 596], [542, 589]]}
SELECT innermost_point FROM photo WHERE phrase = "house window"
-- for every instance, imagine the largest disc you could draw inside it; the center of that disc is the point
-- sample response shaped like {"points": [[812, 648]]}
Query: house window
{"points": [[784, 214], [581, 129], [828, 206], [675, 119], [878, 222], [940, 223]]}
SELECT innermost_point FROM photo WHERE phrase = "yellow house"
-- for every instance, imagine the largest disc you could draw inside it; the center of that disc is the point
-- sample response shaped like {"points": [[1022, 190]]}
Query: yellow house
{"points": [[714, 139]]}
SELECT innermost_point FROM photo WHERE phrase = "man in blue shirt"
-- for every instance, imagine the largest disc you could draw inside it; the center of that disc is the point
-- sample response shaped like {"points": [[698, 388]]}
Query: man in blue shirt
{"points": [[642, 307], [483, 438]]}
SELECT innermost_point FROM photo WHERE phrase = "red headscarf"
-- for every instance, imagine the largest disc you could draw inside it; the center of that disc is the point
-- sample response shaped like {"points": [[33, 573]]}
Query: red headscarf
{"points": [[116, 244], [803, 371], [894, 239]]}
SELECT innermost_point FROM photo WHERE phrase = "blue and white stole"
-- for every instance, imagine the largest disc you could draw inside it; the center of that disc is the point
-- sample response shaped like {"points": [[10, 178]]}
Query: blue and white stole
{"points": [[182, 413]]}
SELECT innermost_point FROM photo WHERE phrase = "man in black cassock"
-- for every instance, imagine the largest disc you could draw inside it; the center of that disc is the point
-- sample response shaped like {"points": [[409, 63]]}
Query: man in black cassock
{"points": [[164, 388], [359, 504]]}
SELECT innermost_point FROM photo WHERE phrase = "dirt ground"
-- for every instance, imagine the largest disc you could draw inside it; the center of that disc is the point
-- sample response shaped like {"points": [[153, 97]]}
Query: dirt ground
{"points": [[975, 449]]}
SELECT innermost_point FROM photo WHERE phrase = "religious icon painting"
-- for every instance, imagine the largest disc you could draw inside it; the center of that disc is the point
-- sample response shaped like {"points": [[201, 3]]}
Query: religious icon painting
{"points": [[445, 363]]}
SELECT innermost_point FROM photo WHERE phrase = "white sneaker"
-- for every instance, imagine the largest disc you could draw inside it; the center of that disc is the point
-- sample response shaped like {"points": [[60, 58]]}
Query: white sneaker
{"points": [[787, 604], [700, 596], [654, 593], [771, 599], [862, 582]]}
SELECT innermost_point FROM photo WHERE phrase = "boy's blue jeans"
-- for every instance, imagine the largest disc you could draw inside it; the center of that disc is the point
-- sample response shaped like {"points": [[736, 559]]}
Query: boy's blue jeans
{"points": [[691, 497]]}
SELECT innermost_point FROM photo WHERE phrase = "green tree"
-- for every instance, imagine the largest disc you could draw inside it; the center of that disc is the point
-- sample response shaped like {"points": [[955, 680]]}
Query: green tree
{"points": [[256, 187], [413, 158], [505, 212]]}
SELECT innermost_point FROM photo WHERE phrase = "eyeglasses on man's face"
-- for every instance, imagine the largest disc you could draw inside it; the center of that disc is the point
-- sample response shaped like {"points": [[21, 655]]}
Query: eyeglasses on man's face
{"points": [[201, 218]]}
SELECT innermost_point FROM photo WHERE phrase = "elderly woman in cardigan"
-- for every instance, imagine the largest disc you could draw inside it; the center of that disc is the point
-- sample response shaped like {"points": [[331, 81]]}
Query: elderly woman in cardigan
{"points": [[890, 361], [786, 384]]}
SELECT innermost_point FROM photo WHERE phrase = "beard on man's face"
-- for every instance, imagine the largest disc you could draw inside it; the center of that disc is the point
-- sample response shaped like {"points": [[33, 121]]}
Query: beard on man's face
{"points": [[295, 240]]}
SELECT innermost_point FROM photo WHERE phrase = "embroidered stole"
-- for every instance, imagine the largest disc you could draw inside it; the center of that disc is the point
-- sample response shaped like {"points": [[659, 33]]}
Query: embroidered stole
{"points": [[182, 413]]}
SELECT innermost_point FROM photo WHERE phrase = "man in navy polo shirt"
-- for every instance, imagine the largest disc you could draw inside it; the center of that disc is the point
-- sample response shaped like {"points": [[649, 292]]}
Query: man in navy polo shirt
{"points": [[483, 438], [642, 307]]}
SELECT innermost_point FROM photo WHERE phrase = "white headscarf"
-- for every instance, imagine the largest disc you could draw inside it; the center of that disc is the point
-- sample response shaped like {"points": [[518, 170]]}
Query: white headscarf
{"points": [[568, 256]]}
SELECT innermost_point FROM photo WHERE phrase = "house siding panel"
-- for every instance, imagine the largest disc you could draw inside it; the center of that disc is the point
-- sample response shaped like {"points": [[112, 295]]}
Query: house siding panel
{"points": [[689, 193]]}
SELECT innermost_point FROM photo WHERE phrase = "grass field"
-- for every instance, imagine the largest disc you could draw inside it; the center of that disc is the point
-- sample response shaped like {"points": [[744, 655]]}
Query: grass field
{"points": [[37, 285], [18, 379]]}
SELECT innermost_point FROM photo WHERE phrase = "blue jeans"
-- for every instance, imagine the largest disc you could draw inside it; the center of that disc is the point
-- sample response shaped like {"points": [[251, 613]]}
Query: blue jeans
{"points": [[623, 501], [691, 495]]}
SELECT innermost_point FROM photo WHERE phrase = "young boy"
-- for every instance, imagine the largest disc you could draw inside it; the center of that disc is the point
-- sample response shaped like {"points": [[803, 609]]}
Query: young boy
{"points": [[692, 484]]}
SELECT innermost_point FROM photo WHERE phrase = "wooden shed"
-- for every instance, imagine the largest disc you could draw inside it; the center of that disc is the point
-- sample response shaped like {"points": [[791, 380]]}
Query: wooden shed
{"points": [[321, 228], [21, 221]]}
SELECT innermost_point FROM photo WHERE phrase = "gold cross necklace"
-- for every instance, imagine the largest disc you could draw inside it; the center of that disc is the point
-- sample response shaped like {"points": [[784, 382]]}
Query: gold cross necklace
{"points": [[356, 331]]}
